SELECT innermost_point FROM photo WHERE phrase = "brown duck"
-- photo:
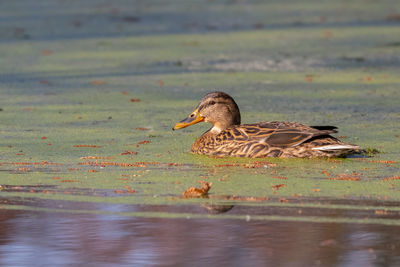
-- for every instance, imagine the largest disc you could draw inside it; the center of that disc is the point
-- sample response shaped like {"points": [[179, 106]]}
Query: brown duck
{"points": [[228, 137]]}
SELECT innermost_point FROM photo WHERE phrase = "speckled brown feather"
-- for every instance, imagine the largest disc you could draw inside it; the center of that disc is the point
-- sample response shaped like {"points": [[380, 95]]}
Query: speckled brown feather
{"points": [[269, 139]]}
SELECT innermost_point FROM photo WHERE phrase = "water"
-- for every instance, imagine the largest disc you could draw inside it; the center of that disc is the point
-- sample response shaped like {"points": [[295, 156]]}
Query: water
{"points": [[32, 238]]}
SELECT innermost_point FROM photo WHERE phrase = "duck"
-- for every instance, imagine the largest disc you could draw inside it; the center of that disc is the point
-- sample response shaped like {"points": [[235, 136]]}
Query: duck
{"points": [[229, 138]]}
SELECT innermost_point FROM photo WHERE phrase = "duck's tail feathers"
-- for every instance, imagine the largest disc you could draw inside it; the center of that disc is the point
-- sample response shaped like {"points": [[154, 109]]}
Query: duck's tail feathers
{"points": [[342, 147]]}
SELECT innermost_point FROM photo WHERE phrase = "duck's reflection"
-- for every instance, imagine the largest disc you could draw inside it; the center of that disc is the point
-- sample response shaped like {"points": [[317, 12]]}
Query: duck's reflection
{"points": [[216, 208]]}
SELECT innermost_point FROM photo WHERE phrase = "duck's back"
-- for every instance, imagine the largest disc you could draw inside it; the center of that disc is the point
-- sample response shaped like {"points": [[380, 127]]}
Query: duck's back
{"points": [[273, 139]]}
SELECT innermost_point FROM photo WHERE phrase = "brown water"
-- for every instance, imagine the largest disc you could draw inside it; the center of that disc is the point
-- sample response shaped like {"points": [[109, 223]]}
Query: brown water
{"points": [[65, 233], [37, 238]]}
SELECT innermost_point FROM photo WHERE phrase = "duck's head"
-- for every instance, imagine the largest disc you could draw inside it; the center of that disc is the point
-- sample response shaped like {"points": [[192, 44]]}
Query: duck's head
{"points": [[217, 108]]}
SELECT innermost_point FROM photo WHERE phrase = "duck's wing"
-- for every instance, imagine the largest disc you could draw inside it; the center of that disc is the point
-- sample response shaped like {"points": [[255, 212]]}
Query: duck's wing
{"points": [[276, 134]]}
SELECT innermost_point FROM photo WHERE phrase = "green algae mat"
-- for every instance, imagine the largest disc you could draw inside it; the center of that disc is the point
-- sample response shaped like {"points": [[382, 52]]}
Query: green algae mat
{"points": [[89, 93]]}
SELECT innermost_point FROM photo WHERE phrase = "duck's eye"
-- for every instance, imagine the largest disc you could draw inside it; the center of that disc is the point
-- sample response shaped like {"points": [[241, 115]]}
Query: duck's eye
{"points": [[191, 115], [212, 103]]}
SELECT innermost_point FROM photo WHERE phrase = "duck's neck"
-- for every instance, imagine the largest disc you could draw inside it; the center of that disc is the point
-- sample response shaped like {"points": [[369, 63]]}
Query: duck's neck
{"points": [[220, 126], [215, 129]]}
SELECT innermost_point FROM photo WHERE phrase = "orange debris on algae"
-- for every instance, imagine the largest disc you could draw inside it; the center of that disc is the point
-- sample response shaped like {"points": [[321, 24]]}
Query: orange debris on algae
{"points": [[327, 173], [95, 157], [383, 161], [308, 78], [279, 177], [128, 152], [142, 142], [228, 165], [32, 163], [175, 164], [97, 82], [127, 189], [391, 178], [347, 177], [198, 192], [276, 187], [47, 52], [120, 164], [86, 146]]}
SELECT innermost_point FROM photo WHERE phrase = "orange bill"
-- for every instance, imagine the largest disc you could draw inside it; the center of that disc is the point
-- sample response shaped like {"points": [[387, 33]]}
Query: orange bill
{"points": [[193, 118]]}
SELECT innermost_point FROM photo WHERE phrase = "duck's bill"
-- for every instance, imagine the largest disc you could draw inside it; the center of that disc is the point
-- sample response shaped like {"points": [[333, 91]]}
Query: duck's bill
{"points": [[190, 120]]}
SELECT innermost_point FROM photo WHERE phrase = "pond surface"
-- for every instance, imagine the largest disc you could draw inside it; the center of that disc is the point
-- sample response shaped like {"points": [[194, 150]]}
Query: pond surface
{"points": [[92, 174], [83, 239]]}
